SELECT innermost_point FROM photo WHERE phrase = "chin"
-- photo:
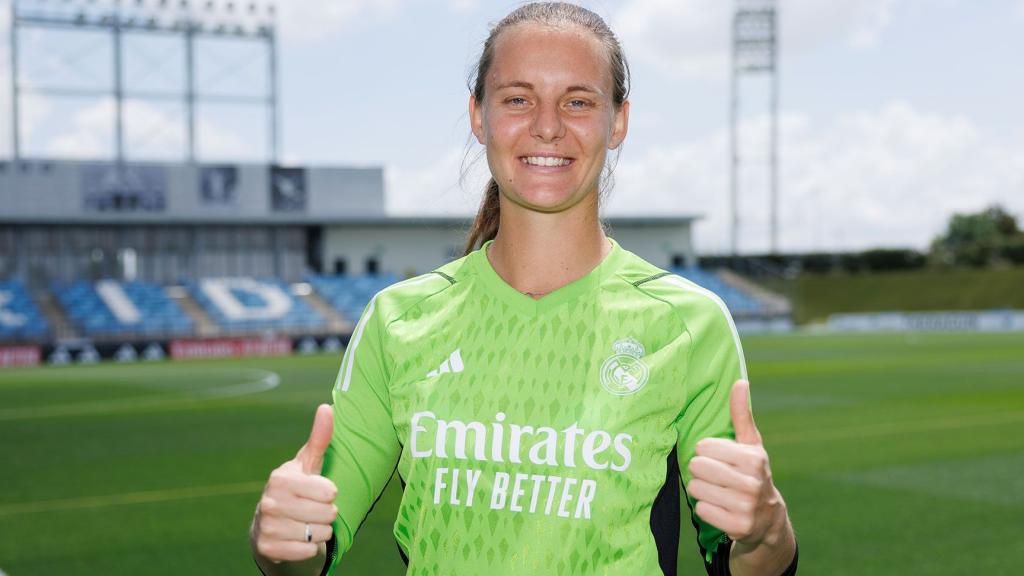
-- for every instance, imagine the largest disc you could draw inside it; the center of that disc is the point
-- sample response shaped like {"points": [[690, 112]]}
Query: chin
{"points": [[547, 201]]}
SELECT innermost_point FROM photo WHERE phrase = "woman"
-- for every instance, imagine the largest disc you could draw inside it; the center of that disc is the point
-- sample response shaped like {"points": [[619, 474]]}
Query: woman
{"points": [[544, 397]]}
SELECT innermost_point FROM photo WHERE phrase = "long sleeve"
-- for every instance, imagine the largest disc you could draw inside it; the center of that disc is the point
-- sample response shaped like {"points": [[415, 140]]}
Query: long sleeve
{"points": [[364, 450], [715, 362]]}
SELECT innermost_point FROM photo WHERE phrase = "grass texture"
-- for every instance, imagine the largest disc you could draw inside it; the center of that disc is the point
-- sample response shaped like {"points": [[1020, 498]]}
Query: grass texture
{"points": [[896, 454]]}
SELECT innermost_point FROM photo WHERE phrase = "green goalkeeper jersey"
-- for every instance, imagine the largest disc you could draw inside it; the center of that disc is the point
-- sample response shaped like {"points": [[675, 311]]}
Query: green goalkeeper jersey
{"points": [[542, 437]]}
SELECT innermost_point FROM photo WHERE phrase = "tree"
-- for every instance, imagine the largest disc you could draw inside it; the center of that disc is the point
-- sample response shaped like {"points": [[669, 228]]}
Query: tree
{"points": [[978, 239]]}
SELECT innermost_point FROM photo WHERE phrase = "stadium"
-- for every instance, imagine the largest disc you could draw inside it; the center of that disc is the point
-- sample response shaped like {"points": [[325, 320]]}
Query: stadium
{"points": [[167, 328]]}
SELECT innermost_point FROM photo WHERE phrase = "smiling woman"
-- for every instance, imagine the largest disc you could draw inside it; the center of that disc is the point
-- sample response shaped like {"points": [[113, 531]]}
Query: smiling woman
{"points": [[549, 93], [545, 397]]}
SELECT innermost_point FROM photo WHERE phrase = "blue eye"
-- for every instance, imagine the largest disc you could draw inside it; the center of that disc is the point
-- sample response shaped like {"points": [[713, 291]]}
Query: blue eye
{"points": [[577, 103], [516, 101]]}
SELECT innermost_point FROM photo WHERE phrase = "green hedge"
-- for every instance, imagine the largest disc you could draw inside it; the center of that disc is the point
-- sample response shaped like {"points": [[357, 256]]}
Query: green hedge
{"points": [[815, 296]]}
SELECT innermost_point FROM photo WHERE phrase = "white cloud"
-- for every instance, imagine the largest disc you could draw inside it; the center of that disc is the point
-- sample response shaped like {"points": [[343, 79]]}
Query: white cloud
{"points": [[891, 176], [805, 23], [312, 20], [886, 177], [151, 132], [435, 188], [692, 37], [85, 134]]}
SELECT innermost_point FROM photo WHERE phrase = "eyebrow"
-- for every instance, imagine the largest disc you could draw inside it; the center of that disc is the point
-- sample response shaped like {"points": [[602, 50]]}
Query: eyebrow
{"points": [[528, 86]]}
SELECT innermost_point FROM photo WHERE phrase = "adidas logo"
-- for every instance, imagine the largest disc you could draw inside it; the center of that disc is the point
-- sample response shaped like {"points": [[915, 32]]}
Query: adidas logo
{"points": [[453, 363]]}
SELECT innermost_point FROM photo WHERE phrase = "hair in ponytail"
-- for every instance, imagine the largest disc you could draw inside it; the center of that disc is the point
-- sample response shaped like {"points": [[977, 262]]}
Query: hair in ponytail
{"points": [[485, 227]]}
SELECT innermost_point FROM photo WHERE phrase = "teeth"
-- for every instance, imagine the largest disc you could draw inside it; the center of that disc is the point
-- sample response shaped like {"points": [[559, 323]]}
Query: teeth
{"points": [[546, 161]]}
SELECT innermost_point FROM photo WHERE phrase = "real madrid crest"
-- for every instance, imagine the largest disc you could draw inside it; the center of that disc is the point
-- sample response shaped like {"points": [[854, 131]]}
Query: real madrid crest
{"points": [[624, 373]]}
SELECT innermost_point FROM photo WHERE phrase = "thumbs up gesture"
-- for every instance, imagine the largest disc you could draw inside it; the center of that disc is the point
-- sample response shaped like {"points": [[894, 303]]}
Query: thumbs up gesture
{"points": [[732, 481], [294, 515]]}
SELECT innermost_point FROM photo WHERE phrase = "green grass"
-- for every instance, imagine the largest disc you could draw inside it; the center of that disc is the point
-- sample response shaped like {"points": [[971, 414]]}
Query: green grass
{"points": [[895, 454], [815, 296]]}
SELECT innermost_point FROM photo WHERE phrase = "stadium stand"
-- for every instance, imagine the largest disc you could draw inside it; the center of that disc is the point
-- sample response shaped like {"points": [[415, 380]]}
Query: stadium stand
{"points": [[112, 308], [740, 302], [349, 295], [240, 304], [20, 318], [245, 303]]}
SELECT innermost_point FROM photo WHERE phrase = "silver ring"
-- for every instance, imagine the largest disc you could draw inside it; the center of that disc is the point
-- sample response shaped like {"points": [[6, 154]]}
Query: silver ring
{"points": [[309, 533]]}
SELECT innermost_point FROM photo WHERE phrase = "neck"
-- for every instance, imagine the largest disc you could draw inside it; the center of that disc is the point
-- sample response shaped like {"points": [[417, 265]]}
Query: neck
{"points": [[538, 252]]}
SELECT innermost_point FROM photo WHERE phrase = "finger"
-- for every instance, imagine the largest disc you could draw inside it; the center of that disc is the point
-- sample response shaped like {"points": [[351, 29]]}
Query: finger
{"points": [[742, 417], [299, 509], [316, 488], [749, 459], [732, 524], [311, 455], [725, 498], [287, 529], [722, 474], [289, 480], [287, 550]]}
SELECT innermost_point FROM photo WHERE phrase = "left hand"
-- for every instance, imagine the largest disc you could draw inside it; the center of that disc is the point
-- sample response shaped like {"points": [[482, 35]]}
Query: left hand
{"points": [[732, 481]]}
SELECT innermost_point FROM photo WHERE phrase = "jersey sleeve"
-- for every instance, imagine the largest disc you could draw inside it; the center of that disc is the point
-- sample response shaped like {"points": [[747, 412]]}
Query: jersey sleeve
{"points": [[364, 449], [715, 362]]}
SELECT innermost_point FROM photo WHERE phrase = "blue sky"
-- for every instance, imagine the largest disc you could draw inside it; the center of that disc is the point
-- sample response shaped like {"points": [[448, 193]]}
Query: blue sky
{"points": [[894, 113]]}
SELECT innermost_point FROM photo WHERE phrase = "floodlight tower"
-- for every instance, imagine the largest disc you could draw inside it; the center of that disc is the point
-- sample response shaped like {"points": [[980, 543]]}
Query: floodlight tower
{"points": [[186, 19], [754, 51]]}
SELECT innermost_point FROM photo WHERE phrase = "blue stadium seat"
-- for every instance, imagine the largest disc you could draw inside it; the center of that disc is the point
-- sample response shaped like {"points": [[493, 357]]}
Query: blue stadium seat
{"points": [[243, 303], [349, 295], [141, 308], [739, 302], [20, 318]]}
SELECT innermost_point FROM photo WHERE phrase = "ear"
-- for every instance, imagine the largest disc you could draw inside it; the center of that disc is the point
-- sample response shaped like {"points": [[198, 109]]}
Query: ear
{"points": [[476, 119], [620, 126]]}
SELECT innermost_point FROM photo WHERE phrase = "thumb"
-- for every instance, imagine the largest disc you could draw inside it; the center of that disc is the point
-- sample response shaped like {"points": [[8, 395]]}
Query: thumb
{"points": [[311, 455], [742, 418]]}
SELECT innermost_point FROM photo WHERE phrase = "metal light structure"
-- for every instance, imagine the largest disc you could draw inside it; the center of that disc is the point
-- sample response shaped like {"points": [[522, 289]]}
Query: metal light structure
{"points": [[754, 52], [186, 19]]}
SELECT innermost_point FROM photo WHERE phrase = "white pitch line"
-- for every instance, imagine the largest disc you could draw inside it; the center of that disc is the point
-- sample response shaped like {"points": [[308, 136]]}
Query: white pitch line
{"points": [[264, 380], [145, 497]]}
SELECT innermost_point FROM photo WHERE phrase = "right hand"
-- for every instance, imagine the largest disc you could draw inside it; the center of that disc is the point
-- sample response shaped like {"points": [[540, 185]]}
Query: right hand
{"points": [[296, 494]]}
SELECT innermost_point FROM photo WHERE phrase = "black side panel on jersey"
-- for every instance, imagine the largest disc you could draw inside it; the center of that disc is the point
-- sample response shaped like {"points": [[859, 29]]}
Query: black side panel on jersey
{"points": [[665, 517], [719, 565], [400, 551], [665, 525]]}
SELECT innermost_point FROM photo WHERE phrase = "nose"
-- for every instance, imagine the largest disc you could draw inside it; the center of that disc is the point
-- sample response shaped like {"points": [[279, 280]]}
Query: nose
{"points": [[547, 123]]}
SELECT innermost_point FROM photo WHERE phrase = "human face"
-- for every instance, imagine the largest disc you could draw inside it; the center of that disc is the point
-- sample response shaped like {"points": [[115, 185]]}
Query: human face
{"points": [[548, 94]]}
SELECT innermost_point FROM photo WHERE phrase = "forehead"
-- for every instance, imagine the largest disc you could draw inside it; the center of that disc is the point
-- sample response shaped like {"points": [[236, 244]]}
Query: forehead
{"points": [[548, 56]]}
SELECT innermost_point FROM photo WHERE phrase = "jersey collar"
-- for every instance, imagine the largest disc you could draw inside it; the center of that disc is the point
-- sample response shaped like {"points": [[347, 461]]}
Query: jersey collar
{"points": [[520, 302]]}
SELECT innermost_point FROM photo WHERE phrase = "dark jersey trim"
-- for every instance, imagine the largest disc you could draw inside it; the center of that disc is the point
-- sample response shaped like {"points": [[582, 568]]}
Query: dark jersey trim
{"points": [[332, 544], [703, 551], [400, 551], [443, 275], [652, 277], [332, 552]]}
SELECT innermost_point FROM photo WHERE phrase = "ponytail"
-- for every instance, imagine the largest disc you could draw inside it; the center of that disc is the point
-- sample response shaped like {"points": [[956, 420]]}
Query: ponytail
{"points": [[485, 227]]}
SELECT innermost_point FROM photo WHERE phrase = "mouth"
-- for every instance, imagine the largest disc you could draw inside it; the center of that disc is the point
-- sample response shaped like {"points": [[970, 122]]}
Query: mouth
{"points": [[547, 161]]}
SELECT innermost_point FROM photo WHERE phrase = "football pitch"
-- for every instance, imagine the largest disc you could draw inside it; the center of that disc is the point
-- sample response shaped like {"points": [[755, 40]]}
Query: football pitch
{"points": [[896, 454]]}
